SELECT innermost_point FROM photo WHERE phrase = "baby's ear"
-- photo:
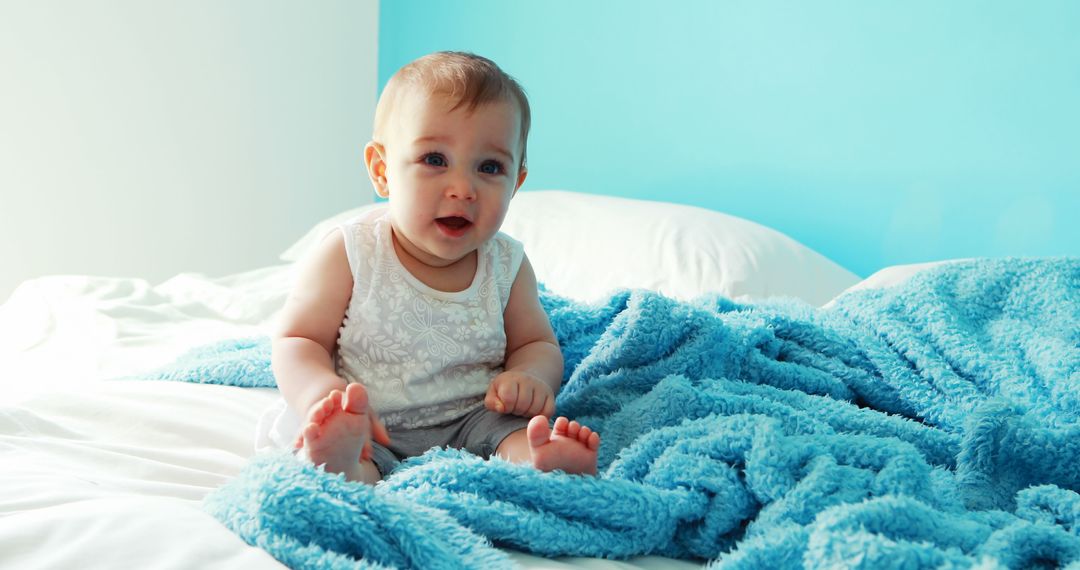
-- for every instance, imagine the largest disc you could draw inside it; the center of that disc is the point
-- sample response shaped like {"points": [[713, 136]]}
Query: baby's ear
{"points": [[522, 173], [375, 160]]}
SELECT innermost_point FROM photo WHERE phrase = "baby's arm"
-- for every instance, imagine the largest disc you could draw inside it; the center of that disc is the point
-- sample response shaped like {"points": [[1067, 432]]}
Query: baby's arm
{"points": [[307, 329], [534, 363]]}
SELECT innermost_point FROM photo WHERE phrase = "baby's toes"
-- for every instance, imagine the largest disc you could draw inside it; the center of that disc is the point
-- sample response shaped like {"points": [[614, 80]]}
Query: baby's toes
{"points": [[583, 435], [560, 426], [310, 433], [355, 399], [573, 430], [593, 443], [321, 411]]}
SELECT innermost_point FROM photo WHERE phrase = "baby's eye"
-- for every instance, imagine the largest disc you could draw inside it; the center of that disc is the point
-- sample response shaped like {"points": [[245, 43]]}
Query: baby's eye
{"points": [[434, 159], [492, 167]]}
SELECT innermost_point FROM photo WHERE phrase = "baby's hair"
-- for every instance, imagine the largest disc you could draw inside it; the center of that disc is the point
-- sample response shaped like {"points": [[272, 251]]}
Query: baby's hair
{"points": [[466, 78]]}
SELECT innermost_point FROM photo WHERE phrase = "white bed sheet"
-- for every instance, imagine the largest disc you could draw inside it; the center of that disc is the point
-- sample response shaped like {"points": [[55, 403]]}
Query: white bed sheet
{"points": [[105, 473]]}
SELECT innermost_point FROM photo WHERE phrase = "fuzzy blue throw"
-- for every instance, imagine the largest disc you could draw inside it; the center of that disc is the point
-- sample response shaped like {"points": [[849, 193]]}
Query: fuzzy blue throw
{"points": [[933, 424]]}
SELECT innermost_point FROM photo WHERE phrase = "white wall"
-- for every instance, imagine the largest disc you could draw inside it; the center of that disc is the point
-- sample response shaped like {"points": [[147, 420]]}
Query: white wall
{"points": [[145, 138]]}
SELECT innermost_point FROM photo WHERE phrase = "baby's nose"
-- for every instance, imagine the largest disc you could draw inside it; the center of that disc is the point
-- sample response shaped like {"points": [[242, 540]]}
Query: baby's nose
{"points": [[461, 189]]}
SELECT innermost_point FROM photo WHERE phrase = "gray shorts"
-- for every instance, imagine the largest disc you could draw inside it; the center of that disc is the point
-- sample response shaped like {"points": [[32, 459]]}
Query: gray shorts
{"points": [[479, 432]]}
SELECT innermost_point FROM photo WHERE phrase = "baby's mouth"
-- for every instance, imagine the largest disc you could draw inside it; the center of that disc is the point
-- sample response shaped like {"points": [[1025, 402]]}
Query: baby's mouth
{"points": [[453, 226], [453, 221]]}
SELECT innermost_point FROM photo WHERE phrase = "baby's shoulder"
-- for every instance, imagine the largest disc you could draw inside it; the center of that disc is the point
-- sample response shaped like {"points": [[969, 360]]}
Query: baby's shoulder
{"points": [[367, 219], [364, 226], [502, 241], [506, 254]]}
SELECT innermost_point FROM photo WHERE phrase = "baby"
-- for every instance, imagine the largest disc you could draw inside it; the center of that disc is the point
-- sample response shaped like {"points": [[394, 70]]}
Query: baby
{"points": [[418, 325]]}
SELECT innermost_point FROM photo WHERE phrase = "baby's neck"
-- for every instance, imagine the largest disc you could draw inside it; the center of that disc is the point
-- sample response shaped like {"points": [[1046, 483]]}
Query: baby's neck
{"points": [[457, 276]]}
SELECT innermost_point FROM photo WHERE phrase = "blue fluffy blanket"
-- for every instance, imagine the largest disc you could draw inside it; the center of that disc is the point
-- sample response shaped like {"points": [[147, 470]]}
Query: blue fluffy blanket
{"points": [[936, 423]]}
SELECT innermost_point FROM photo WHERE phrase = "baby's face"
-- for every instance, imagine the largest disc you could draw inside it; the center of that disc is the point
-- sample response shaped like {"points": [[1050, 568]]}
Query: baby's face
{"points": [[450, 175]]}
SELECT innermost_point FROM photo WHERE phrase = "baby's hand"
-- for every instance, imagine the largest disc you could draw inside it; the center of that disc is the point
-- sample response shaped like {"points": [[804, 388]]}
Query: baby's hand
{"points": [[520, 394]]}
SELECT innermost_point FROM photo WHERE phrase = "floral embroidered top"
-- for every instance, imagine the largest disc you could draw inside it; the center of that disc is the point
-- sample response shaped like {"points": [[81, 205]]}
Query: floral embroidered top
{"points": [[425, 356]]}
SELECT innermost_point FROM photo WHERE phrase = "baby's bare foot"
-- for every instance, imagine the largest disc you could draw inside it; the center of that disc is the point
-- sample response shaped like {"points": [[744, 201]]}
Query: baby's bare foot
{"points": [[570, 447], [338, 431]]}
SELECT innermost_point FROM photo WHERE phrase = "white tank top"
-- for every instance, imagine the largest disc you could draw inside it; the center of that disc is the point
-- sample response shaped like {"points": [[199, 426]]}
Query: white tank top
{"points": [[425, 356]]}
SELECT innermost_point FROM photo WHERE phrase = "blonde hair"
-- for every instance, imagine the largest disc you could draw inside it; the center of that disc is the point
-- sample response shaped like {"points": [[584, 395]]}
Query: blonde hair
{"points": [[466, 78]]}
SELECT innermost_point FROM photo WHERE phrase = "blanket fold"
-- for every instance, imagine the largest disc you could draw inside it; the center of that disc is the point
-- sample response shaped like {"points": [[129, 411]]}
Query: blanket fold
{"points": [[936, 423], [321, 520]]}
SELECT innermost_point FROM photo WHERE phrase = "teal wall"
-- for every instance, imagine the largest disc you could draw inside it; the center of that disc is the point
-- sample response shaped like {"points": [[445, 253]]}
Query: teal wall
{"points": [[876, 133]]}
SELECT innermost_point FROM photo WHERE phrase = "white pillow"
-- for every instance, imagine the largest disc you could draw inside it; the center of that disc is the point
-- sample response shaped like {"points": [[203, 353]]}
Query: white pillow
{"points": [[584, 246], [299, 249], [892, 276]]}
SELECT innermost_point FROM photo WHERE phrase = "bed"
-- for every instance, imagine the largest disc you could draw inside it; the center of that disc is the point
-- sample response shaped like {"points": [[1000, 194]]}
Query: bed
{"points": [[101, 470]]}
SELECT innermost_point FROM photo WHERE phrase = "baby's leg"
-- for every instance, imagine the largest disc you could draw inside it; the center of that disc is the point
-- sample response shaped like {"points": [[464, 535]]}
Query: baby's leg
{"points": [[570, 446], [338, 434]]}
